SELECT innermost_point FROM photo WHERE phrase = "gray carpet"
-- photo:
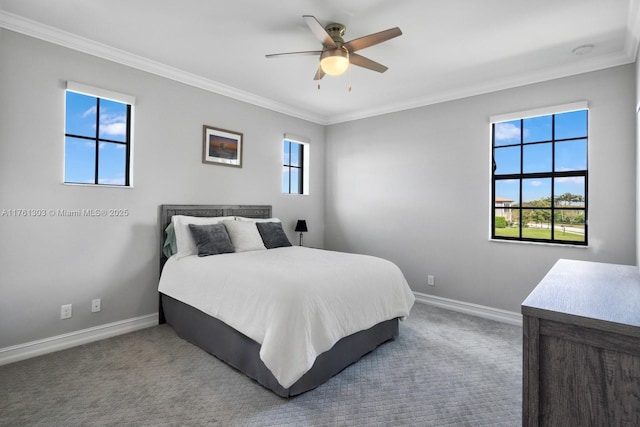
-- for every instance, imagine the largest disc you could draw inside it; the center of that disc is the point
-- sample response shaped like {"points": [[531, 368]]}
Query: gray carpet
{"points": [[445, 368]]}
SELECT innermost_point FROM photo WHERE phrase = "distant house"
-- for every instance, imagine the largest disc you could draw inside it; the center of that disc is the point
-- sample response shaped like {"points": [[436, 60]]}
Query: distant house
{"points": [[503, 208]]}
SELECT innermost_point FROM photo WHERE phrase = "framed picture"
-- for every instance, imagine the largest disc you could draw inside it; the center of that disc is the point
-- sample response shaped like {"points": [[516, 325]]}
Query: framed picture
{"points": [[222, 147]]}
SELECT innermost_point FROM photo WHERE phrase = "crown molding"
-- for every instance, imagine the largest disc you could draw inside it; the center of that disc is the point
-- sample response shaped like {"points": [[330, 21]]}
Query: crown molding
{"points": [[72, 41], [50, 34], [627, 56], [585, 66]]}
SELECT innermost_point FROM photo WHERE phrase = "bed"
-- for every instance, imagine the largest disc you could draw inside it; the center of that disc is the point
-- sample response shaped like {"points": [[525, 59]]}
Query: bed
{"points": [[258, 312]]}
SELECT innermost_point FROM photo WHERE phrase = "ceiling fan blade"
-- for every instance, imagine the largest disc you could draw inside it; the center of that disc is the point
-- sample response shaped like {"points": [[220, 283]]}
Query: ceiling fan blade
{"points": [[361, 61], [303, 53], [319, 74], [372, 39], [318, 30]]}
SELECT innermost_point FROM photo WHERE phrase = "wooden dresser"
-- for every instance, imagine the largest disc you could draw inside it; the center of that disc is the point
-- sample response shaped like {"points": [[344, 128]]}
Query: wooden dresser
{"points": [[581, 344]]}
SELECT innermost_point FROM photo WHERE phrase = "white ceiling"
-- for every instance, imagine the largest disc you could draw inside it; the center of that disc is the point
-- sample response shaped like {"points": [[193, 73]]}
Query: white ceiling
{"points": [[448, 50]]}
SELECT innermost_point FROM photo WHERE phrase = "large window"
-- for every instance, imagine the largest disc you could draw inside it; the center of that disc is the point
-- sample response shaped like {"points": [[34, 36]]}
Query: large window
{"points": [[97, 136], [295, 169], [539, 176]]}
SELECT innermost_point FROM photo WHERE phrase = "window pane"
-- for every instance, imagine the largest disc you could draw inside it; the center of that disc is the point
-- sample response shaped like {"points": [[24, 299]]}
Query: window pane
{"points": [[571, 155], [536, 224], [506, 133], [537, 129], [569, 225], [571, 125], [81, 114], [296, 154], [285, 179], [569, 191], [113, 120], [504, 224], [537, 158], [286, 153], [507, 160], [536, 192], [295, 181], [507, 192], [112, 163], [79, 160], [292, 174]]}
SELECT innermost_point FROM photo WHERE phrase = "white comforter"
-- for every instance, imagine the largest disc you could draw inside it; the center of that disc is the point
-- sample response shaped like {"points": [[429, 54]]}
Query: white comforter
{"points": [[296, 302]]}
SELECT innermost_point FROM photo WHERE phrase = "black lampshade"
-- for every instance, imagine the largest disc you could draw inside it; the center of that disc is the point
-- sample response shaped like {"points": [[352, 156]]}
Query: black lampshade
{"points": [[301, 226]]}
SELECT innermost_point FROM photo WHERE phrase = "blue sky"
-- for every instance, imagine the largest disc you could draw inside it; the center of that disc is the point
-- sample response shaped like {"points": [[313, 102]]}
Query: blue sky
{"points": [[569, 155], [81, 113]]}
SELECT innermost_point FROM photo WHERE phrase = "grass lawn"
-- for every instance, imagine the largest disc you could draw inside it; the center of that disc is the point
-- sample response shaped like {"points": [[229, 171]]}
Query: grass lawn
{"points": [[539, 233]]}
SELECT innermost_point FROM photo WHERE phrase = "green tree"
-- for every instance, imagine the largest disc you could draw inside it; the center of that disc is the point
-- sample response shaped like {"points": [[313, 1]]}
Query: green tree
{"points": [[501, 222], [568, 215]]}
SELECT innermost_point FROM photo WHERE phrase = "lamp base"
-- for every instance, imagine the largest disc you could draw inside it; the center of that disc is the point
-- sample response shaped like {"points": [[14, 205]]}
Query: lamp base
{"points": [[300, 244]]}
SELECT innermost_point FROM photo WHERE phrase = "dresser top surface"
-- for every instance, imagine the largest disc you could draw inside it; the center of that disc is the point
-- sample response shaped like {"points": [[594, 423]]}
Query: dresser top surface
{"points": [[588, 290]]}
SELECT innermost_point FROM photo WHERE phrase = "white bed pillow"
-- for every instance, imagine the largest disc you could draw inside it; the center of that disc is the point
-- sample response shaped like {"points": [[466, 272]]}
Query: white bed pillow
{"points": [[244, 235], [184, 240]]}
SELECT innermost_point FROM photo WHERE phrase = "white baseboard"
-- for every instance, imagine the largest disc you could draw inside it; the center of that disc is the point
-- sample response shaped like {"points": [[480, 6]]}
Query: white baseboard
{"points": [[497, 314], [60, 342], [72, 339]]}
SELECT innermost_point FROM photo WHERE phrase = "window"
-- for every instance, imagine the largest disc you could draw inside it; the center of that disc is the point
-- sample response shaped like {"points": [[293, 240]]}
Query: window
{"points": [[97, 136], [539, 176], [295, 167]]}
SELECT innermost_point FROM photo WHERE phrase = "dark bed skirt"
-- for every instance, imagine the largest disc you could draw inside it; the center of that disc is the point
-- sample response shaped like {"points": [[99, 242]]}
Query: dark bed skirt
{"points": [[243, 353]]}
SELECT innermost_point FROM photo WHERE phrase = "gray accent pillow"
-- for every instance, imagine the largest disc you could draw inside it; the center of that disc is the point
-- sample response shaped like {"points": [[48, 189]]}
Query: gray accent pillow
{"points": [[272, 234], [211, 239]]}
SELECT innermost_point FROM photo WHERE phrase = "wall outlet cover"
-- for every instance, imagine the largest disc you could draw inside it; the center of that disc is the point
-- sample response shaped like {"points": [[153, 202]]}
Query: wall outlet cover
{"points": [[66, 311]]}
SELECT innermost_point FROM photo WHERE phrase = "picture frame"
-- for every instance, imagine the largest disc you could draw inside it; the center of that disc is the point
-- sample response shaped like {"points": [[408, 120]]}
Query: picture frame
{"points": [[221, 146]]}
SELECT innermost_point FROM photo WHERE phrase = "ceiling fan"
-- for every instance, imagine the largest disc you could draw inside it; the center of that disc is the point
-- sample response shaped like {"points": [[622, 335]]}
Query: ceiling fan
{"points": [[336, 54]]}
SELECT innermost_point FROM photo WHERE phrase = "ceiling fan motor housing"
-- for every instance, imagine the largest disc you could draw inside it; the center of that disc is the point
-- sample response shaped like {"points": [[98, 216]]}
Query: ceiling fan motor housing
{"points": [[336, 31]]}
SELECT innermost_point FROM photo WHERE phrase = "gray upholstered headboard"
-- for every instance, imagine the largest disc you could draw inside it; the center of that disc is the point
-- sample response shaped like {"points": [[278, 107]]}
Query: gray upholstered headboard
{"points": [[167, 211]]}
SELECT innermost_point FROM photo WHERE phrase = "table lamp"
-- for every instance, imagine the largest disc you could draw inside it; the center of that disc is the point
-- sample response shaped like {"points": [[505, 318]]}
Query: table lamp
{"points": [[301, 227]]}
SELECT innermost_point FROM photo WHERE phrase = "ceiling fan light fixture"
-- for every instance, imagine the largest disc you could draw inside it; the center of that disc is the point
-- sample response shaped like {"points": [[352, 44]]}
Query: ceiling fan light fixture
{"points": [[334, 61], [336, 55]]}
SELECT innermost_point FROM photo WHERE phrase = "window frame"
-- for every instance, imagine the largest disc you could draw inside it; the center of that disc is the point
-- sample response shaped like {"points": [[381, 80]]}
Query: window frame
{"points": [[289, 167], [303, 168], [552, 175], [103, 95]]}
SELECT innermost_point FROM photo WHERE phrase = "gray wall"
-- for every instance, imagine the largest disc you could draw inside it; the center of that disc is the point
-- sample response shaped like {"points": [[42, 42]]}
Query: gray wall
{"points": [[46, 262], [411, 186], [414, 187]]}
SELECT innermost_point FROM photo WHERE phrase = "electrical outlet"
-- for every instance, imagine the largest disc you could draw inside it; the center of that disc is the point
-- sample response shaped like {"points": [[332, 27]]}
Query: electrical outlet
{"points": [[95, 305], [65, 311], [431, 281]]}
